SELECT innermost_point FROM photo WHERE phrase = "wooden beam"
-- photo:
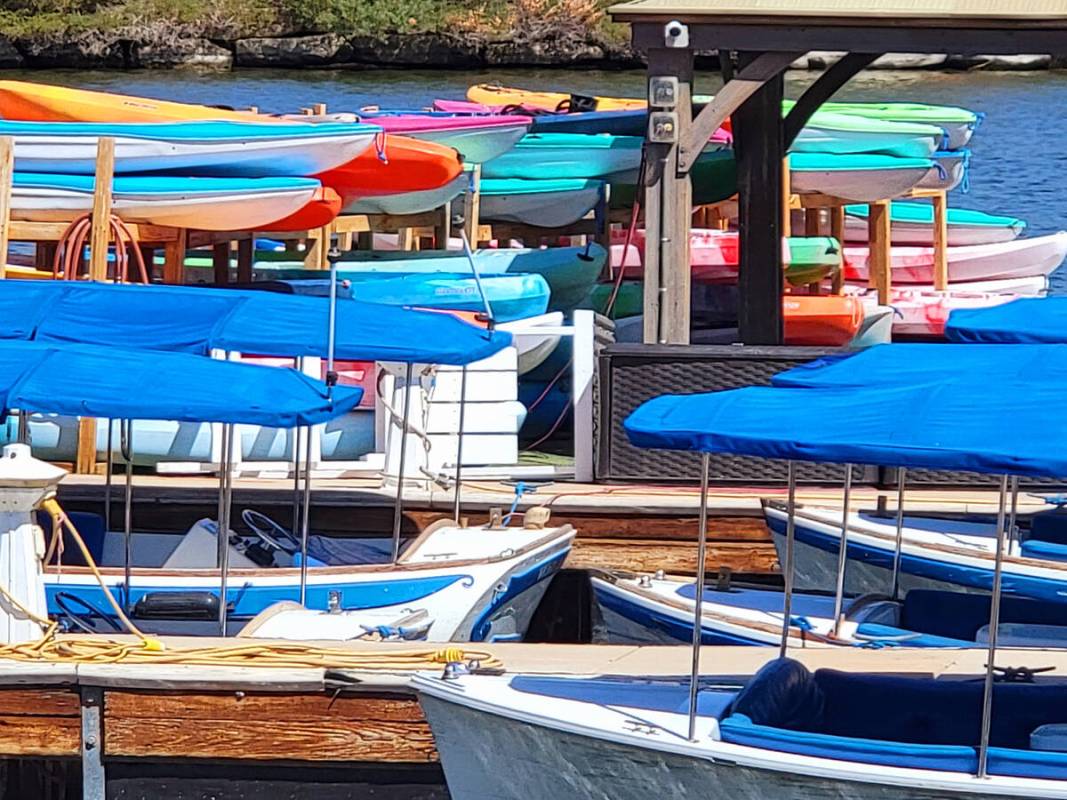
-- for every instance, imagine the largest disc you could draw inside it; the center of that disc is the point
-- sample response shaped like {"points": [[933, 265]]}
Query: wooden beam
{"points": [[668, 210], [940, 203], [220, 262], [7, 172], [879, 262], [748, 80], [840, 73], [472, 207], [837, 230], [101, 219], [85, 458], [174, 259], [246, 256], [758, 143]]}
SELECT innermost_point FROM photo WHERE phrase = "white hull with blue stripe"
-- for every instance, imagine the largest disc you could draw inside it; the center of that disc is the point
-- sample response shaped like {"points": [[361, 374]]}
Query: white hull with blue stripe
{"points": [[526, 737], [475, 584]]}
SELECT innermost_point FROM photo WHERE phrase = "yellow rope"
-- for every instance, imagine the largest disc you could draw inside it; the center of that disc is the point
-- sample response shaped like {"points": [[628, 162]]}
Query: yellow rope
{"points": [[279, 655]]}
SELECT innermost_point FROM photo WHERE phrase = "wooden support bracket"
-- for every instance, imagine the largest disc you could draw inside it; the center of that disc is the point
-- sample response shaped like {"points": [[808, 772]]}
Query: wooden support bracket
{"points": [[822, 90], [879, 259], [736, 91], [7, 171], [101, 226]]}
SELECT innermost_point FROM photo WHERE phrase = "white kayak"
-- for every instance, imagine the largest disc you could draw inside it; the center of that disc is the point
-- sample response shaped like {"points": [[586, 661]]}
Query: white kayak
{"points": [[913, 224], [227, 204], [829, 132], [924, 312], [544, 203], [245, 149], [859, 178], [410, 202], [1021, 258]]}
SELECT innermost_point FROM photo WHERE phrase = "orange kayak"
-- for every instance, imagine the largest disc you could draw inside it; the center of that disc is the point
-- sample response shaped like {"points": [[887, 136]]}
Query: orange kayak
{"points": [[321, 210], [410, 165], [821, 320]]}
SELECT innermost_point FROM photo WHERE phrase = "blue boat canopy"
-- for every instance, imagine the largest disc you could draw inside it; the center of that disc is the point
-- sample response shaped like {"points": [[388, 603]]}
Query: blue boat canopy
{"points": [[918, 363], [1027, 320], [989, 426], [117, 383], [198, 320]]}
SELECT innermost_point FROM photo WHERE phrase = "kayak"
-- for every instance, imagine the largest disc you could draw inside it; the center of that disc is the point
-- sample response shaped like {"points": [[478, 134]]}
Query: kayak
{"points": [[714, 179], [567, 155], [628, 303], [543, 203], [498, 96], [321, 210], [476, 138], [406, 165], [511, 297], [912, 224], [924, 312], [229, 149], [954, 168], [861, 178], [958, 123], [828, 132], [570, 272], [714, 256], [228, 204], [1020, 258], [41, 102], [410, 202]]}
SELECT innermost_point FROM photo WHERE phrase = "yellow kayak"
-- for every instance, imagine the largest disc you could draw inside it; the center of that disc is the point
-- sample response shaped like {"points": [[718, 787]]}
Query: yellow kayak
{"points": [[39, 102], [489, 95]]}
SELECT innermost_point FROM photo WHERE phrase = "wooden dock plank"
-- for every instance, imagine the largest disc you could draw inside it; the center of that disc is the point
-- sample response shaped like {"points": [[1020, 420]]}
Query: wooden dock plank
{"points": [[649, 555], [306, 727], [40, 736]]}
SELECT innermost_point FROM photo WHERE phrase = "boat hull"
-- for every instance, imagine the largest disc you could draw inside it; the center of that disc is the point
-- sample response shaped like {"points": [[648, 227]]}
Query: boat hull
{"points": [[547, 208], [417, 202], [858, 186], [476, 145]]}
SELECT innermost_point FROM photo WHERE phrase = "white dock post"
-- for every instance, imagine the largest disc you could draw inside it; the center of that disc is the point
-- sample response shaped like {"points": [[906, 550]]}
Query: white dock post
{"points": [[584, 365]]}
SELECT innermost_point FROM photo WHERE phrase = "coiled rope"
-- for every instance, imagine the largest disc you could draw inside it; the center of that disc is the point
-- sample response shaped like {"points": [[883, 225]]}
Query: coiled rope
{"points": [[149, 650]]}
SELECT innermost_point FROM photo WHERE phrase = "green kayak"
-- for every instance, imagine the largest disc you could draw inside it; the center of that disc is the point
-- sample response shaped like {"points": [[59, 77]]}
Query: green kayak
{"points": [[714, 180], [958, 123]]}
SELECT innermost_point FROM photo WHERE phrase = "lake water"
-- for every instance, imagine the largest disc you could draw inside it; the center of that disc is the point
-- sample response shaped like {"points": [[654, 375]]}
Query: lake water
{"points": [[1020, 152]]}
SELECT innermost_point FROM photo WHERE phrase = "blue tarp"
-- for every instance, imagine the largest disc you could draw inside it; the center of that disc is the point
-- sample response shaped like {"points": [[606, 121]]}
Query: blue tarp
{"points": [[1028, 320], [991, 425], [917, 363], [198, 320], [116, 383]]}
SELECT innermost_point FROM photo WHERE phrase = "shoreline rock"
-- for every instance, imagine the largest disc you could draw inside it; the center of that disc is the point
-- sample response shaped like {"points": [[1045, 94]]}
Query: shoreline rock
{"points": [[441, 50]]}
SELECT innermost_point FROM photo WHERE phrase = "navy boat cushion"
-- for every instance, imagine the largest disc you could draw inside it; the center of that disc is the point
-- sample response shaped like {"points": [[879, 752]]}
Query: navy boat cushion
{"points": [[1050, 551], [958, 615], [1049, 526], [783, 694]]}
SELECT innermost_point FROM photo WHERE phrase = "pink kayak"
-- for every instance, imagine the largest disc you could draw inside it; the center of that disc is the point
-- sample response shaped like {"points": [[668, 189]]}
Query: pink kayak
{"points": [[1020, 258], [923, 312]]}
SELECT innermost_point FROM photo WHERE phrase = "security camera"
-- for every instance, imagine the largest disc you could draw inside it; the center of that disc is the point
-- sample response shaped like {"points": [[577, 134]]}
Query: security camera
{"points": [[676, 34]]}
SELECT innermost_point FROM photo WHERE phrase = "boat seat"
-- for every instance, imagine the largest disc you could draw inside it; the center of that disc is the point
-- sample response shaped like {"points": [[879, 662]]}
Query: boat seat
{"points": [[1051, 738], [1049, 526], [1049, 551], [1021, 634], [959, 615], [198, 549]]}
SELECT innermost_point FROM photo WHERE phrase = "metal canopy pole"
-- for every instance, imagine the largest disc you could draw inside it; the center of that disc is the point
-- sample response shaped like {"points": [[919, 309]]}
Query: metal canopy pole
{"points": [[296, 466], [127, 517], [398, 511], [994, 623], [110, 461], [305, 521], [902, 477], [225, 506], [842, 558], [789, 568], [698, 613], [459, 442]]}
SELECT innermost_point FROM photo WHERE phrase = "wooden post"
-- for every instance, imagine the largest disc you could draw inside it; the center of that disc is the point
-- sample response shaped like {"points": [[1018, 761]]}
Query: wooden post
{"points": [[940, 203], [787, 197], [758, 144], [668, 213], [879, 263], [85, 460], [812, 224], [319, 109], [246, 254], [7, 171], [837, 230], [220, 262], [472, 207], [174, 258], [442, 231], [100, 229]]}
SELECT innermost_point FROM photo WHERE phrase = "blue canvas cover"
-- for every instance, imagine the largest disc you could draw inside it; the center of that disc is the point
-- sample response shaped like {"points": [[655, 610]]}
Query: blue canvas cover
{"points": [[116, 383], [917, 363], [974, 425], [198, 320], [1027, 320]]}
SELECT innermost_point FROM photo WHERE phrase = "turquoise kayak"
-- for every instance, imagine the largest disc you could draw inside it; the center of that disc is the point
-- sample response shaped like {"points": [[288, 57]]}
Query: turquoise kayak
{"points": [[828, 132], [541, 156], [958, 123], [544, 203], [570, 272], [912, 224], [861, 178]]}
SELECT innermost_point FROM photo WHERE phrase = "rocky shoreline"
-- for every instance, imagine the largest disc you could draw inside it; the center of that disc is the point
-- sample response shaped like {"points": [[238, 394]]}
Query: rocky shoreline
{"points": [[99, 50]]}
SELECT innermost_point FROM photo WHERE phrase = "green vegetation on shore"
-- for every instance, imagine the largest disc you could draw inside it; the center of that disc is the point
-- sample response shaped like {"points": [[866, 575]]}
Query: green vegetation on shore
{"points": [[237, 19]]}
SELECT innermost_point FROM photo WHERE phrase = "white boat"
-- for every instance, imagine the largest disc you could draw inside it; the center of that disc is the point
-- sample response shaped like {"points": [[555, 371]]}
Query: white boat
{"points": [[477, 583], [1020, 258], [534, 345], [542, 203], [784, 733], [216, 148], [228, 204], [859, 178], [410, 202]]}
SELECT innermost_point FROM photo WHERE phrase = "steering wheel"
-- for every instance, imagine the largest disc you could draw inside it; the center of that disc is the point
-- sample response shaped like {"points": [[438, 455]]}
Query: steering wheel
{"points": [[83, 618], [270, 532]]}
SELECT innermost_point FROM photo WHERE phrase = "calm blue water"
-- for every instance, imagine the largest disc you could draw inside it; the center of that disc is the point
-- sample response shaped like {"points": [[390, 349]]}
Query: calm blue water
{"points": [[1020, 152]]}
